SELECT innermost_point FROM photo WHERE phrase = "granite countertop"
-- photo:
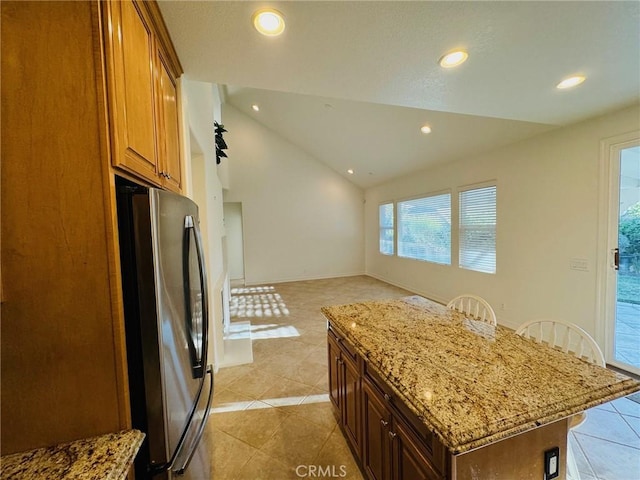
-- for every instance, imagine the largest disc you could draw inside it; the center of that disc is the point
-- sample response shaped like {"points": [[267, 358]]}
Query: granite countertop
{"points": [[469, 382], [105, 457]]}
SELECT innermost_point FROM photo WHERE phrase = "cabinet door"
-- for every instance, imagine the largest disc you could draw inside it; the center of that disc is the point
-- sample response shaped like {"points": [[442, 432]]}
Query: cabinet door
{"points": [[376, 449], [351, 401], [410, 463], [168, 119], [335, 369], [131, 61]]}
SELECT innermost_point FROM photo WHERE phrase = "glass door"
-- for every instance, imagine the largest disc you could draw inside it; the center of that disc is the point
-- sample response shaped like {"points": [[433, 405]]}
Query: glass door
{"points": [[623, 289]]}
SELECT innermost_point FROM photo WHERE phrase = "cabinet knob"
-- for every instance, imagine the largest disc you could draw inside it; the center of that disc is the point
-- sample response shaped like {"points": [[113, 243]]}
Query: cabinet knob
{"points": [[392, 435], [384, 423], [168, 175], [387, 397]]}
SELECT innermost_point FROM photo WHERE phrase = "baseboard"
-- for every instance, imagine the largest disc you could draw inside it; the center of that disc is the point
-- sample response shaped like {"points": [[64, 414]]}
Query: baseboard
{"points": [[428, 295], [505, 322], [305, 278], [502, 320]]}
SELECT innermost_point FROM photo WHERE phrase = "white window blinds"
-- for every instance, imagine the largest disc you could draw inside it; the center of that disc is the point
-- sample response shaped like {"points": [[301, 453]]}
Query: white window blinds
{"points": [[386, 228], [478, 229], [424, 228]]}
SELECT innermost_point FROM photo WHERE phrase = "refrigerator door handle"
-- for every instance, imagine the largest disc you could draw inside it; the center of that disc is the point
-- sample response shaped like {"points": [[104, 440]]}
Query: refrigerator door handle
{"points": [[163, 467], [205, 293], [203, 423], [197, 364]]}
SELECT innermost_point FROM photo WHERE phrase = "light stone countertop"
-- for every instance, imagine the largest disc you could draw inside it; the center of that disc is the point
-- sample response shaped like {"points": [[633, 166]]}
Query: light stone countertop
{"points": [[107, 457], [469, 382]]}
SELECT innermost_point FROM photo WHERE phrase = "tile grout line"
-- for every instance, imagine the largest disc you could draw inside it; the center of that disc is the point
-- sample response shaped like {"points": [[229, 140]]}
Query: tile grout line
{"points": [[624, 418], [613, 404], [586, 457], [325, 442], [608, 441]]}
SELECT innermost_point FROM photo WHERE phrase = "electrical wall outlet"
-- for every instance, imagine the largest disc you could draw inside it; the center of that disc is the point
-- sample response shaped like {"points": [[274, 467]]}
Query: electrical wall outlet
{"points": [[581, 264], [551, 463]]}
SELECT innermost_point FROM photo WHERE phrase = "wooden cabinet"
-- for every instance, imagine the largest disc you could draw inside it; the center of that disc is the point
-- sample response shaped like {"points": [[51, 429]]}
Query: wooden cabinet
{"points": [[344, 389], [142, 72], [69, 123], [169, 138], [391, 451], [335, 369], [410, 458], [376, 451], [388, 440], [131, 79]]}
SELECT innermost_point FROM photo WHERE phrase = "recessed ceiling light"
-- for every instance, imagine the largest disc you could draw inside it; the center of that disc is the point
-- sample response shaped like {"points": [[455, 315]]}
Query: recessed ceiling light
{"points": [[425, 129], [350, 171], [268, 22], [571, 82], [453, 59], [255, 108]]}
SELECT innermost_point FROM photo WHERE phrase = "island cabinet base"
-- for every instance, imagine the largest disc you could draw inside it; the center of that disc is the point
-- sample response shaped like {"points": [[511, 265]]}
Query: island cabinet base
{"points": [[520, 456], [390, 442]]}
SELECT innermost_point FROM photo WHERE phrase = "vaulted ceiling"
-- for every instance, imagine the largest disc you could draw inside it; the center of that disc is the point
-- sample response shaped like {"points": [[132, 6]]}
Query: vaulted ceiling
{"points": [[351, 83]]}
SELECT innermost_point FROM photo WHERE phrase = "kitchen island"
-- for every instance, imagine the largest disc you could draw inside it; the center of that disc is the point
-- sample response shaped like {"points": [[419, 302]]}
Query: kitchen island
{"points": [[421, 391]]}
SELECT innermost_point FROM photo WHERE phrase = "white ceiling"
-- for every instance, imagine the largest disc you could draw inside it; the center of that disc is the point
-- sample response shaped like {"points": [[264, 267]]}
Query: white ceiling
{"points": [[375, 65]]}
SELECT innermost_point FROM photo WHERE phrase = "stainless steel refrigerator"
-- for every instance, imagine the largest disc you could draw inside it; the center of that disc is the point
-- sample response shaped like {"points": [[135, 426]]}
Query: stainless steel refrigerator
{"points": [[166, 325]]}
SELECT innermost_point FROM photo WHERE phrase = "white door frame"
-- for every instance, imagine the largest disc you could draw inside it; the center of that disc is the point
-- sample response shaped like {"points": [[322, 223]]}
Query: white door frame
{"points": [[608, 209]]}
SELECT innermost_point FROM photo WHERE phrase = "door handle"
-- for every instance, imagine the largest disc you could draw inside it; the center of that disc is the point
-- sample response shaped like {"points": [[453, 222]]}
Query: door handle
{"points": [[197, 364], [160, 468], [616, 258], [205, 292], [203, 423]]}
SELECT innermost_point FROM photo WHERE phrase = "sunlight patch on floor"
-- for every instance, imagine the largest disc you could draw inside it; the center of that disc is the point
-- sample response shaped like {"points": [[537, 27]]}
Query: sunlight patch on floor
{"points": [[257, 302], [262, 332], [245, 290], [269, 403]]}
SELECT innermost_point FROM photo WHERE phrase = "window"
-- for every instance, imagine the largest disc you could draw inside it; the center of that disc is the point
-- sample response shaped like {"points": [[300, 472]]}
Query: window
{"points": [[478, 229], [386, 228], [424, 228]]}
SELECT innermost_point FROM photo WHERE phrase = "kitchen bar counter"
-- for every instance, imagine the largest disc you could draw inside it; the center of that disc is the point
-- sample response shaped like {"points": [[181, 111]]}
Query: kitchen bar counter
{"points": [[470, 383], [107, 457]]}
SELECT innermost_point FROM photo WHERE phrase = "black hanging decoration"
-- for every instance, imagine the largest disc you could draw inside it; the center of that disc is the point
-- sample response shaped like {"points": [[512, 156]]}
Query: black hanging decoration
{"points": [[221, 145]]}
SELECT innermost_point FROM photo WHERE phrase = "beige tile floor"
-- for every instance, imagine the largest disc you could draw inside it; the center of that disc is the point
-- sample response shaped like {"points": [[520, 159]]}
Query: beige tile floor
{"points": [[272, 418], [607, 444]]}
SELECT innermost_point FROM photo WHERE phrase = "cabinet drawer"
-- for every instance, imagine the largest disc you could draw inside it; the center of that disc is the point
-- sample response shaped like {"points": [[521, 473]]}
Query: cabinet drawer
{"points": [[431, 447]]}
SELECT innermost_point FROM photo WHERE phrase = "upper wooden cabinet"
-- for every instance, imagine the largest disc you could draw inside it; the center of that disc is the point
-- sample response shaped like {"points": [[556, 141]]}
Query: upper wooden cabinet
{"points": [[112, 109], [142, 72], [169, 138]]}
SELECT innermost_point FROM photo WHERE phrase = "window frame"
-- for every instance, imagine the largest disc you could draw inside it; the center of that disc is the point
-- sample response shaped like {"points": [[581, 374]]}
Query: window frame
{"points": [[460, 230], [392, 228], [398, 224]]}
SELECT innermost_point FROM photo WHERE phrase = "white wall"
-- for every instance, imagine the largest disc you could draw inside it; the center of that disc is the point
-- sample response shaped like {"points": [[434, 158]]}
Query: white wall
{"points": [[201, 105], [301, 219], [547, 207]]}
